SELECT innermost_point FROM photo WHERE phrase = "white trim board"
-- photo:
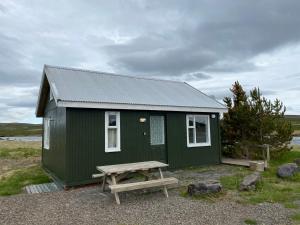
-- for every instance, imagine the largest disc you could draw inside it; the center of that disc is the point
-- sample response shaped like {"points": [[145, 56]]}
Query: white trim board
{"points": [[96, 105]]}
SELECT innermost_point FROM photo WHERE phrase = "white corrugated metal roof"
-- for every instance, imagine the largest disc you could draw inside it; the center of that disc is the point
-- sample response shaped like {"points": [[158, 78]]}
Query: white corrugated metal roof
{"points": [[75, 87]]}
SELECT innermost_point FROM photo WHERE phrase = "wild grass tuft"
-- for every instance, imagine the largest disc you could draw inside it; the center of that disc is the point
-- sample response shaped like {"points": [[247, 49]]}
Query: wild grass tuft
{"points": [[17, 179]]}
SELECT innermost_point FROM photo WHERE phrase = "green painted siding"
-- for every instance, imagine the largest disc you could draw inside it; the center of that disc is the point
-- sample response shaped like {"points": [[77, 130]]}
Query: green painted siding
{"points": [[182, 156], [53, 160], [85, 142]]}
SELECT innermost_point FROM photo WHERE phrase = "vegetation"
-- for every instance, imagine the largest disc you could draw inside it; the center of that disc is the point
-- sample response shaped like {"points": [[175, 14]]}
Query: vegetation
{"points": [[14, 183], [250, 221], [295, 120], [20, 166], [271, 189], [253, 121], [20, 129]]}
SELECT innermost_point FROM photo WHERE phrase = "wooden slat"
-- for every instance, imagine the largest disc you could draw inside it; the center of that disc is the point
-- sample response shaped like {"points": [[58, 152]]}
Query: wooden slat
{"points": [[130, 167], [143, 184], [98, 175]]}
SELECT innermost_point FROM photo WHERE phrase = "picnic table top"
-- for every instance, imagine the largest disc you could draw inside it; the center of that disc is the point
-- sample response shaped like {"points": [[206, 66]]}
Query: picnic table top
{"points": [[127, 167]]}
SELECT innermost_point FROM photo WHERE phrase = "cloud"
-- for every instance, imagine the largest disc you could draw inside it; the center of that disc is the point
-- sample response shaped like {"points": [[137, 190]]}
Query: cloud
{"points": [[207, 43]]}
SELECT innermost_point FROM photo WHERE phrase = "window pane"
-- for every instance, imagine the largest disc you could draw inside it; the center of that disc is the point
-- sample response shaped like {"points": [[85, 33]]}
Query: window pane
{"points": [[112, 137], [201, 129], [191, 135], [191, 121], [112, 120], [157, 130]]}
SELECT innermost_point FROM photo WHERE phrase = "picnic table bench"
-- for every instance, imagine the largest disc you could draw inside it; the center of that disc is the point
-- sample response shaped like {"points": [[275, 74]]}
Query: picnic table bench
{"points": [[112, 174]]}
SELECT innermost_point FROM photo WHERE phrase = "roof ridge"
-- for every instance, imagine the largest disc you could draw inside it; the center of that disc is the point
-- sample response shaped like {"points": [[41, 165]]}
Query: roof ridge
{"points": [[205, 94], [111, 74]]}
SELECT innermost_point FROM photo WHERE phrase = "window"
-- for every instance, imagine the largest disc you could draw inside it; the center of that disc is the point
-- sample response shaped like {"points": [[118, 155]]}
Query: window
{"points": [[157, 130], [46, 132], [112, 132], [198, 130]]}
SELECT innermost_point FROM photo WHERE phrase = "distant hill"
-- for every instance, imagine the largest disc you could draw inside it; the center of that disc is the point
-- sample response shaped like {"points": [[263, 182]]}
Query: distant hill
{"points": [[20, 129], [295, 120]]}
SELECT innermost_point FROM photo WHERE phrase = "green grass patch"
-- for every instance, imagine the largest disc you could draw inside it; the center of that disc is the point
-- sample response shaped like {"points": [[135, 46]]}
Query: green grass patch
{"points": [[296, 217], [250, 221], [17, 179], [271, 189], [19, 153]]}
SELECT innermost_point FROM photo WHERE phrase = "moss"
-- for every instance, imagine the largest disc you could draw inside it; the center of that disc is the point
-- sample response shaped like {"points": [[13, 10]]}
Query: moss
{"points": [[250, 221]]}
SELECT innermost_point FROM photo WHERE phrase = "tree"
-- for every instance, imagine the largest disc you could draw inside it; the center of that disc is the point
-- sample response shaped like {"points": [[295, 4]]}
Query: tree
{"points": [[252, 121]]}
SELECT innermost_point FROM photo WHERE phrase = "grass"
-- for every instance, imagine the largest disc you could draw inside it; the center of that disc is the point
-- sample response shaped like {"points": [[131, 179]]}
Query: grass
{"points": [[296, 217], [20, 129], [250, 221], [271, 189], [19, 153], [14, 183], [20, 166]]}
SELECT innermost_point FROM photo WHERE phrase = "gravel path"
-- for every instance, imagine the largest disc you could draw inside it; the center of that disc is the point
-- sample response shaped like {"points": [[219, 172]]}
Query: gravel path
{"points": [[89, 206]]}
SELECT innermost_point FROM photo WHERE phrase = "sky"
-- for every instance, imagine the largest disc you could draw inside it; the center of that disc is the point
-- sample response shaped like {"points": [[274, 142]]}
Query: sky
{"points": [[208, 43]]}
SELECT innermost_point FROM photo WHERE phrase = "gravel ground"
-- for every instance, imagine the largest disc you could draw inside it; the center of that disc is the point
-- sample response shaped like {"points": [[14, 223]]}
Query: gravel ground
{"points": [[89, 206]]}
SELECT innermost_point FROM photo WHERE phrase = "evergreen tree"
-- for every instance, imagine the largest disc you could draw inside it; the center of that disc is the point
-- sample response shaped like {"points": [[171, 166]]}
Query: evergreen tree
{"points": [[252, 121]]}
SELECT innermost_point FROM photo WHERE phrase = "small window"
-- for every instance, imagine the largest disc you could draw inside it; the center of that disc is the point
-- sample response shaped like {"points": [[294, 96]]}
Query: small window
{"points": [[112, 131], [46, 133], [157, 130], [198, 130]]}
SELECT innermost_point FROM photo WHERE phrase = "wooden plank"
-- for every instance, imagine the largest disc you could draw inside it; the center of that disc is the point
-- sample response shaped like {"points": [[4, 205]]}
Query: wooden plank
{"points": [[113, 178], [97, 175], [143, 184], [130, 167], [165, 188]]}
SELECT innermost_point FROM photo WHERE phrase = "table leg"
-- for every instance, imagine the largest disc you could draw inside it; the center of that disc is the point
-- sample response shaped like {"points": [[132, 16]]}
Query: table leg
{"points": [[103, 183], [113, 178], [165, 188]]}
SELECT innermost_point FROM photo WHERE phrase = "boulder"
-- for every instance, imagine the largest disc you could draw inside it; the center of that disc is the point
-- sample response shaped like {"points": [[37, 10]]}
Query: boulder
{"points": [[249, 182], [287, 170], [211, 186], [297, 161]]}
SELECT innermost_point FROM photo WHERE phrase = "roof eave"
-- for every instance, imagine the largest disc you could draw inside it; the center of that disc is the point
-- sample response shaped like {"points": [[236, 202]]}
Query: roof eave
{"points": [[97, 105]]}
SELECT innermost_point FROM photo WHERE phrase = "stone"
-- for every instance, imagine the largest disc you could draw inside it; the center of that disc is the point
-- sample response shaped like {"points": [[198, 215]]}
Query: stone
{"points": [[206, 187], [297, 161], [257, 165], [249, 182], [287, 170]]}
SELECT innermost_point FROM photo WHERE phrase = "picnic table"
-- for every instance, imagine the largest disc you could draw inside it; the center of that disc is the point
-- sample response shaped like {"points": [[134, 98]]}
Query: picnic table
{"points": [[113, 174]]}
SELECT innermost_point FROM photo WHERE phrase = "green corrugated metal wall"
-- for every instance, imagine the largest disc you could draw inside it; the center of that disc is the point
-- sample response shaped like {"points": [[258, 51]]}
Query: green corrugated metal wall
{"points": [[85, 142], [54, 159]]}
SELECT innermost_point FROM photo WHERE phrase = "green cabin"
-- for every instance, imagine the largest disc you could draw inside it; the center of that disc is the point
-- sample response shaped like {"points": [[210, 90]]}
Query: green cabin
{"points": [[92, 118]]}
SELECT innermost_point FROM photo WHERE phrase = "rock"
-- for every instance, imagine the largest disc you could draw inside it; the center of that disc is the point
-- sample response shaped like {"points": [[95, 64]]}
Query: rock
{"points": [[297, 161], [249, 182], [287, 170], [206, 187]]}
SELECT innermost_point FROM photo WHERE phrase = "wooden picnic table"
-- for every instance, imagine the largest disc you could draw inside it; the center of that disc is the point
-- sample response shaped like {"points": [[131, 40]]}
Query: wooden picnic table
{"points": [[112, 174]]}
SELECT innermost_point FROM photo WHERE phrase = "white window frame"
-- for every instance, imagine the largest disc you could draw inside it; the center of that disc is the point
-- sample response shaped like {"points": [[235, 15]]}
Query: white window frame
{"points": [[208, 142], [46, 139], [118, 146], [163, 129]]}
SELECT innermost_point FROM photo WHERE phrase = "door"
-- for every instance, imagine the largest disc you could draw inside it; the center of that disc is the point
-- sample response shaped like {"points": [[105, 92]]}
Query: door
{"points": [[158, 137]]}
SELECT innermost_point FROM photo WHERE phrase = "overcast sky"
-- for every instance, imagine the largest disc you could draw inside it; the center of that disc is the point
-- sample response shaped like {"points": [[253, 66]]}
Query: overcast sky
{"points": [[207, 43]]}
